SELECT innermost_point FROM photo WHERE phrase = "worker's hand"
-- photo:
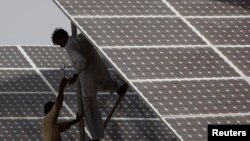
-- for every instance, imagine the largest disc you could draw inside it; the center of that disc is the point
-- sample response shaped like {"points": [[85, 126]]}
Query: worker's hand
{"points": [[72, 80], [63, 82], [78, 117]]}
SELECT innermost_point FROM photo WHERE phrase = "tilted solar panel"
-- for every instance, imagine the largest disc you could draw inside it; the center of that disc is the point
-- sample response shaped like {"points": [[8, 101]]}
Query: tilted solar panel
{"points": [[189, 63]]}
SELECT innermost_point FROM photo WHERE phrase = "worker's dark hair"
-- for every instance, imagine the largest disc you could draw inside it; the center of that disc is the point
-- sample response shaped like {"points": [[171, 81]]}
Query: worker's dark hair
{"points": [[48, 106], [58, 34]]}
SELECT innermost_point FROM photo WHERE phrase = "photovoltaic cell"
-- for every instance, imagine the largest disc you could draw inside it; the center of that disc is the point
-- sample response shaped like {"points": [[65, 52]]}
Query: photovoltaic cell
{"points": [[48, 57], [18, 80], [224, 31], [115, 7], [163, 63], [139, 31], [10, 57], [212, 7], [195, 129], [26, 105], [197, 97], [240, 56]]}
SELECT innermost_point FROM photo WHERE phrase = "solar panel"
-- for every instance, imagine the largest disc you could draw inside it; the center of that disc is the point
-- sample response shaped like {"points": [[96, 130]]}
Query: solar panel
{"points": [[239, 56], [21, 80], [24, 91], [26, 105], [54, 76], [19, 129], [139, 31], [224, 31], [163, 63], [25, 129], [212, 7], [47, 57], [184, 64], [12, 58], [115, 7], [138, 130], [197, 97], [117, 130]]}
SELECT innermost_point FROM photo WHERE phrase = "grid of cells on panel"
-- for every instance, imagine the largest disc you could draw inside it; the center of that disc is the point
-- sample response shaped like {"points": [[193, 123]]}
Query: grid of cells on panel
{"points": [[239, 56], [116, 130], [29, 130], [10, 57], [72, 133], [48, 57], [197, 97], [21, 80], [54, 77], [115, 7], [162, 63], [138, 130], [20, 130], [139, 31], [226, 31], [26, 105], [211, 8], [195, 129]]}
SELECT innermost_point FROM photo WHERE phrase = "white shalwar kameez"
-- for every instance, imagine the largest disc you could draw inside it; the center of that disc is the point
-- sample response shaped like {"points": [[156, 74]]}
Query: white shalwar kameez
{"points": [[93, 77]]}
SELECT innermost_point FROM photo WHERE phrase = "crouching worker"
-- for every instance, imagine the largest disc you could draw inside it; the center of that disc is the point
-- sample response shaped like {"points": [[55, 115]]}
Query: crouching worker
{"points": [[51, 128]]}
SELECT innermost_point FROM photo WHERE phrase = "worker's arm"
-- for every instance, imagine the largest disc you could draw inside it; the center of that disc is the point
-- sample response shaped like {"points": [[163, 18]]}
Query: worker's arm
{"points": [[60, 96], [66, 125], [54, 112]]}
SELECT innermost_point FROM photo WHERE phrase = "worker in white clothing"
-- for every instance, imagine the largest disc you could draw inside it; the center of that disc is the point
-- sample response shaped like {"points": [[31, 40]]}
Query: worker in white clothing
{"points": [[92, 75]]}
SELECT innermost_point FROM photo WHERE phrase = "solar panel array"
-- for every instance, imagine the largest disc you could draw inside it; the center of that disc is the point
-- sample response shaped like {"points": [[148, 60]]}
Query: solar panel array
{"points": [[188, 60], [29, 78]]}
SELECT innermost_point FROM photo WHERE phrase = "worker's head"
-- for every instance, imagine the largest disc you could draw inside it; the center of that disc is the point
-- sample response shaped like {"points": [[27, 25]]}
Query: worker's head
{"points": [[48, 106], [60, 37]]}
